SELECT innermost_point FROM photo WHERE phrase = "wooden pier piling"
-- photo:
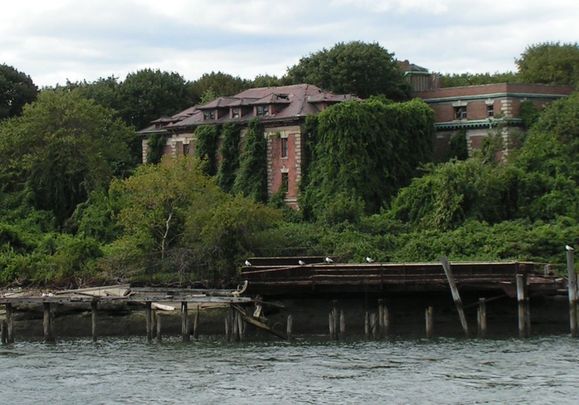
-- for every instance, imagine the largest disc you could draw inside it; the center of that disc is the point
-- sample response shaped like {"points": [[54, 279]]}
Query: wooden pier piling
{"points": [[159, 326], [482, 317], [373, 325], [572, 290], [289, 327], [149, 321], [196, 324], [380, 318], [366, 325], [93, 318], [522, 305], [240, 326], [342, 324], [455, 293], [184, 322], [428, 314], [47, 323], [3, 332], [385, 321], [9, 323], [331, 329]]}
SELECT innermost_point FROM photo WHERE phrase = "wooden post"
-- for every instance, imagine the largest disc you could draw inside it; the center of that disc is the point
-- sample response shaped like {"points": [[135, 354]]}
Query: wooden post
{"points": [[47, 323], [429, 321], [149, 321], [572, 288], [240, 326], [455, 294], [342, 324], [336, 320], [227, 325], [521, 301], [386, 320], [196, 324], [380, 317], [184, 322], [289, 327], [235, 326], [159, 326], [482, 317], [366, 325], [331, 324], [3, 332], [93, 311], [373, 325], [9, 324]]}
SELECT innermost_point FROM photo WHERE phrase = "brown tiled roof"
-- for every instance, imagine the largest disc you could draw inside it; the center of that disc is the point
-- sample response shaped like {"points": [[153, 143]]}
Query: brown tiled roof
{"points": [[294, 101]]}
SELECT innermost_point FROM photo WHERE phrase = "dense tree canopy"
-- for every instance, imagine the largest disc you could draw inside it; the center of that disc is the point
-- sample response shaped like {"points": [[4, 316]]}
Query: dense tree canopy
{"points": [[60, 149], [218, 84], [363, 69], [16, 89], [472, 79], [550, 63], [149, 94]]}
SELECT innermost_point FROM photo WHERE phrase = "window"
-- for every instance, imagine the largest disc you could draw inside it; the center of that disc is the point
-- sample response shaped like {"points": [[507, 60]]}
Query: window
{"points": [[186, 149], [235, 113], [284, 182], [490, 110], [460, 113], [283, 147], [208, 115], [262, 110]]}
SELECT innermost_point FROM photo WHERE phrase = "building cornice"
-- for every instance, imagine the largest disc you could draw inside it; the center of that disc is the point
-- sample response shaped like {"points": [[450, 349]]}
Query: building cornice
{"points": [[474, 124], [491, 95]]}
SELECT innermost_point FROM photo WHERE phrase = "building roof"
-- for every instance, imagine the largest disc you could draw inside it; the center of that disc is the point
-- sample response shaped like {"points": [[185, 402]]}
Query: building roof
{"points": [[294, 101]]}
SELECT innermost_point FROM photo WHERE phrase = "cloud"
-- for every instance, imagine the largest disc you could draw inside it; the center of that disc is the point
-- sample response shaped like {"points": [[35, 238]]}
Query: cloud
{"points": [[59, 39]]}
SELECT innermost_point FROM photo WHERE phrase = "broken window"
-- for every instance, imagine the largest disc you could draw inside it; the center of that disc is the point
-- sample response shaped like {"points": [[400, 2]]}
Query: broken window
{"points": [[460, 113], [490, 110], [284, 183], [262, 110], [283, 147], [208, 115]]}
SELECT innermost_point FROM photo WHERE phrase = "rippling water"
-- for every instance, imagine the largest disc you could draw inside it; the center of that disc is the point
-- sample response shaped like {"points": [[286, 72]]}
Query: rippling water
{"points": [[128, 371]]}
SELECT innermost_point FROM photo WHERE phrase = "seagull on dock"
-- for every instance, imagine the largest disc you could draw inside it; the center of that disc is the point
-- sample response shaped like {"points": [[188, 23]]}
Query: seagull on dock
{"points": [[247, 263], [569, 248], [328, 260], [301, 262], [369, 259]]}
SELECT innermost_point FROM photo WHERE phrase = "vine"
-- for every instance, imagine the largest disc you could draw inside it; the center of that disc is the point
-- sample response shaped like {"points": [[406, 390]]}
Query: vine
{"points": [[229, 152], [206, 148], [251, 179], [155, 147]]}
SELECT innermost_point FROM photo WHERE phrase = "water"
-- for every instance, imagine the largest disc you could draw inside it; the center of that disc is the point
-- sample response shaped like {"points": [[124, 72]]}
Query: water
{"points": [[442, 371]]}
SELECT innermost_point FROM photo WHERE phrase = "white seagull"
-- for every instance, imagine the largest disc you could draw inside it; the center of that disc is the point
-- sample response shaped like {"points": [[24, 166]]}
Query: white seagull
{"points": [[301, 262], [369, 260], [247, 263], [569, 248], [328, 260]]}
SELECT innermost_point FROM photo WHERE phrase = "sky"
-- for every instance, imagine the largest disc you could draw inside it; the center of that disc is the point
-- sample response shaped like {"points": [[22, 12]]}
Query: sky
{"points": [[56, 40]]}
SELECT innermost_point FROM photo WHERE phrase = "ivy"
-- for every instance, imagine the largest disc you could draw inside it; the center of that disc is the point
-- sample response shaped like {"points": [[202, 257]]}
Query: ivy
{"points": [[229, 153], [367, 150], [206, 148], [155, 147], [251, 180]]}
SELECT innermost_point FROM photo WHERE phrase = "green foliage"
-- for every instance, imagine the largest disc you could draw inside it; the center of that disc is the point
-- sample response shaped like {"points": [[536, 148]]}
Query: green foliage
{"points": [[458, 148], [217, 84], [251, 180], [156, 147], [474, 79], [148, 94], [550, 63], [16, 90], [266, 81], [229, 152], [60, 149], [206, 148], [359, 68], [529, 113], [367, 151]]}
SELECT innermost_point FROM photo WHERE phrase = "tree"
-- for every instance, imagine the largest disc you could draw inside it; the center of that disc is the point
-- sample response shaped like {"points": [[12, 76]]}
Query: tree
{"points": [[550, 63], [219, 84], [149, 94], [472, 79], [355, 67], [60, 149], [16, 90]]}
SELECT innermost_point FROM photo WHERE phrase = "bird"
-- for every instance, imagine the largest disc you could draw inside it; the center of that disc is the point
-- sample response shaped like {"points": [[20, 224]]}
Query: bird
{"points": [[569, 248], [328, 260], [301, 262], [248, 263], [369, 259]]}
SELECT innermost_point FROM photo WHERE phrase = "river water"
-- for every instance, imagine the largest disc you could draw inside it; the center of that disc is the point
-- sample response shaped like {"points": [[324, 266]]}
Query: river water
{"points": [[412, 371]]}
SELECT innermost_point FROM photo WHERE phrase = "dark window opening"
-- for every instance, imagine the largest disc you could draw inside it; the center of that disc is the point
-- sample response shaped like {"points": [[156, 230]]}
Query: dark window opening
{"points": [[460, 113], [208, 115], [186, 149], [490, 110], [262, 110], [283, 147], [235, 113], [284, 183]]}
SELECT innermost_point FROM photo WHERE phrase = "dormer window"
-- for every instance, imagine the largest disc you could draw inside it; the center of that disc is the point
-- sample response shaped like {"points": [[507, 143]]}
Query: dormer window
{"points": [[262, 110], [235, 112], [460, 113], [208, 115]]}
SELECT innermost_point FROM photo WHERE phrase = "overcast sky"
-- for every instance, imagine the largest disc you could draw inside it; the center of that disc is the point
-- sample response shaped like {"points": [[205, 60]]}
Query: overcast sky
{"points": [[55, 40]]}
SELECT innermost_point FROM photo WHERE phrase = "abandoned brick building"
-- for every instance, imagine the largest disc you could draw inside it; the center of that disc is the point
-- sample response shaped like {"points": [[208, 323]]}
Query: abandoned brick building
{"points": [[476, 110]]}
